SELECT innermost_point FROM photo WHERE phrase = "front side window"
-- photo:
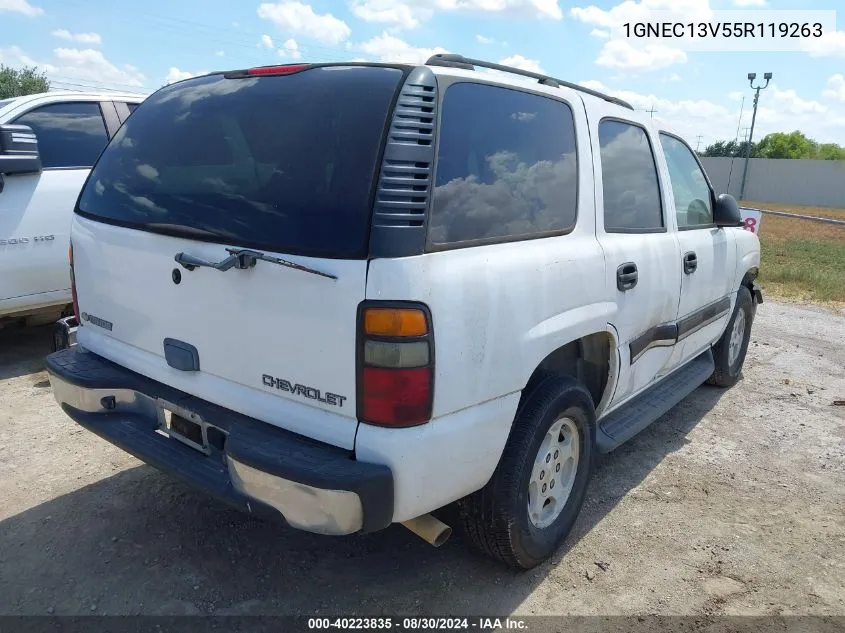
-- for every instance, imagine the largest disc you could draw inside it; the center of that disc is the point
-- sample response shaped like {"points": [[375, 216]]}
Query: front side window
{"points": [[629, 179], [690, 190], [506, 166], [69, 134]]}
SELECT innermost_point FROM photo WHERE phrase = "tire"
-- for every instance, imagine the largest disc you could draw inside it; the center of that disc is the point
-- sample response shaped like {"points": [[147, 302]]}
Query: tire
{"points": [[729, 360], [496, 518]]}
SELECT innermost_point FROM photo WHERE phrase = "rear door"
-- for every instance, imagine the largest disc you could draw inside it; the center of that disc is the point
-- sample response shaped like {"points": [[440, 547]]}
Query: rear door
{"points": [[36, 209], [639, 243], [280, 164]]}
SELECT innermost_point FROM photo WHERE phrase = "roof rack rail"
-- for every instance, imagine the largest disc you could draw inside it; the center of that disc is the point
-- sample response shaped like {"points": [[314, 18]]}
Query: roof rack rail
{"points": [[468, 63]]}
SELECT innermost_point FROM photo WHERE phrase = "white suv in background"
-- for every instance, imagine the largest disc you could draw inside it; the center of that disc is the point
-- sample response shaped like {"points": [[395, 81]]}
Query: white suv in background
{"points": [[48, 143], [347, 295]]}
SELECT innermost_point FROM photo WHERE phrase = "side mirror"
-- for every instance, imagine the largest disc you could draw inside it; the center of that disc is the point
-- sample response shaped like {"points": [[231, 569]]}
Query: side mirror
{"points": [[726, 211], [18, 150]]}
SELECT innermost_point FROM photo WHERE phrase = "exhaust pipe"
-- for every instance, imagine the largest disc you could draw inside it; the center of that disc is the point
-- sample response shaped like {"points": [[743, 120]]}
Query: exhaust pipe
{"points": [[433, 531]]}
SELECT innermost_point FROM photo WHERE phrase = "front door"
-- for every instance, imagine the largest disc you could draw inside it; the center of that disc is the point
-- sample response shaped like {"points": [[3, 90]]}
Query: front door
{"points": [[37, 208], [708, 254], [640, 246]]}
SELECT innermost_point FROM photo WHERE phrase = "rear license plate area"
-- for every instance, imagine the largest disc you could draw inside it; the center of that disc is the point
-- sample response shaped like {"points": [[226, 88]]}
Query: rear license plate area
{"points": [[189, 428]]}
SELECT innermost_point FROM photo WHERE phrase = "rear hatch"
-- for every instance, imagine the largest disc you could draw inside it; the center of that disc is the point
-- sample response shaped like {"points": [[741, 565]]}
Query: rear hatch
{"points": [[279, 164]]}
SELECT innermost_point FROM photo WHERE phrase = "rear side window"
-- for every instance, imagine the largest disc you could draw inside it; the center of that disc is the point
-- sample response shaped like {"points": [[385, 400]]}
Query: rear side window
{"points": [[131, 107], [506, 166], [281, 163], [69, 134], [629, 179]]}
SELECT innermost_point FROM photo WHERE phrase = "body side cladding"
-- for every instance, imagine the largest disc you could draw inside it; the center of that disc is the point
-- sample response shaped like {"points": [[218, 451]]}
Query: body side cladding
{"points": [[668, 334]]}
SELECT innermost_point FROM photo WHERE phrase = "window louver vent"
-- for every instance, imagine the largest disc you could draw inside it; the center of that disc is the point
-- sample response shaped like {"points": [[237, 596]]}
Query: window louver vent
{"points": [[405, 180]]}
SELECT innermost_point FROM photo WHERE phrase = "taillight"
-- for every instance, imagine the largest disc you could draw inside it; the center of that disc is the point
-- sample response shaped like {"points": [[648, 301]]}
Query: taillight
{"points": [[396, 365], [73, 284]]}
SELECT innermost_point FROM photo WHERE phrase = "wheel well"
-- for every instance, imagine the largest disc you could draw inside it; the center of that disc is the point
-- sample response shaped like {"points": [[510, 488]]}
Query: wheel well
{"points": [[586, 359], [749, 277]]}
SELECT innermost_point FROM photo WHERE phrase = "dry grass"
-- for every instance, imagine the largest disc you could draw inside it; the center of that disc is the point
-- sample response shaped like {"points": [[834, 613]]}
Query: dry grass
{"points": [[802, 260]]}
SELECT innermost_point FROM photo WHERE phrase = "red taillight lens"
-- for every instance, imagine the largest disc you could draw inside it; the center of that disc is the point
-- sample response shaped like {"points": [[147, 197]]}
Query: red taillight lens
{"points": [[396, 371], [285, 69], [396, 397], [73, 284]]}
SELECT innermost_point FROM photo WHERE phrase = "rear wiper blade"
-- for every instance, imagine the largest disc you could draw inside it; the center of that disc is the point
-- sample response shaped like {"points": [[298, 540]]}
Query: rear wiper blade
{"points": [[243, 259]]}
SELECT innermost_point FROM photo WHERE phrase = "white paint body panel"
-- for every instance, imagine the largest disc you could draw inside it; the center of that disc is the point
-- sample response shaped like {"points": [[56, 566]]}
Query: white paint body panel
{"points": [[39, 208]]}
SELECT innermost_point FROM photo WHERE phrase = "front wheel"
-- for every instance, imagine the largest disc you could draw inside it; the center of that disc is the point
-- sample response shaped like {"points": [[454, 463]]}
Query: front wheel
{"points": [[530, 504], [729, 352]]}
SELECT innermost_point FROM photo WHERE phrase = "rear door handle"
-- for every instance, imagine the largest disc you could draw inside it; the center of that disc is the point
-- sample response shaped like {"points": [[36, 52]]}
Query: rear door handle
{"points": [[626, 276], [690, 263]]}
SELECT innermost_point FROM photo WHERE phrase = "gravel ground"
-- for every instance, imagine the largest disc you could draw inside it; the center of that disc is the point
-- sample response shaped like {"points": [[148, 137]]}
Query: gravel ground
{"points": [[732, 503]]}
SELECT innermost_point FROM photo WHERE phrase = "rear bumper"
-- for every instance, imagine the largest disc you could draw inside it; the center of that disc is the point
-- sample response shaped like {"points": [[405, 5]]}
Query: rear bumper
{"points": [[256, 467]]}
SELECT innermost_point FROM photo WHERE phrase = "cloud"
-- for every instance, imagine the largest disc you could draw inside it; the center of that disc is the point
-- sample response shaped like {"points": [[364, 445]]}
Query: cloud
{"points": [[628, 54], [91, 65], [409, 14], [622, 55], [736, 95], [290, 49], [20, 6], [829, 44], [83, 38], [266, 41], [389, 12], [174, 75], [836, 87], [219, 53], [296, 18], [518, 61], [78, 69], [750, 3], [484, 40], [387, 47]]}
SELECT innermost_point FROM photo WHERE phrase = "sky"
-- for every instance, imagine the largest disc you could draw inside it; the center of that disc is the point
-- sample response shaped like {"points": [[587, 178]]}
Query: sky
{"points": [[141, 46]]}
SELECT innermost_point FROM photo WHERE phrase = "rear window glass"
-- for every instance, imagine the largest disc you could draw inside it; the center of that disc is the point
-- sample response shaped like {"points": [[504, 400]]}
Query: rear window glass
{"points": [[506, 166], [281, 163]]}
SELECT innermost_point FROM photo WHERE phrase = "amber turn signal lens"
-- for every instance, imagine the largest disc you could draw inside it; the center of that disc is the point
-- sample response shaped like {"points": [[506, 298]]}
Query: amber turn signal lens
{"points": [[395, 322]]}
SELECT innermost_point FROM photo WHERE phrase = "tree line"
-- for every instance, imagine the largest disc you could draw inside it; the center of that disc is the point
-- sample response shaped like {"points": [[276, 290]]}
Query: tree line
{"points": [[19, 82], [779, 145]]}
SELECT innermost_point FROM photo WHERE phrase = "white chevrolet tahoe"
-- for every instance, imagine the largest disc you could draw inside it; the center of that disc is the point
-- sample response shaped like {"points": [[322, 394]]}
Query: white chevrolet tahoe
{"points": [[348, 295], [48, 143]]}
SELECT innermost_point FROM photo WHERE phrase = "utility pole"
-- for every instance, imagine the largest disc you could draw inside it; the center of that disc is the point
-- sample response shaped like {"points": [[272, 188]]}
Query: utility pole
{"points": [[757, 89], [698, 143], [652, 111]]}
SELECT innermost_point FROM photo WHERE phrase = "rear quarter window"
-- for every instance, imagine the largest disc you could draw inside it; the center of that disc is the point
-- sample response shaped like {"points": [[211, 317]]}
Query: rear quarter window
{"points": [[506, 166]]}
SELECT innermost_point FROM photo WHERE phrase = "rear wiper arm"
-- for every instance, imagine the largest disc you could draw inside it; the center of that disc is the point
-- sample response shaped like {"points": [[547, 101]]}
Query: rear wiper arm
{"points": [[243, 259]]}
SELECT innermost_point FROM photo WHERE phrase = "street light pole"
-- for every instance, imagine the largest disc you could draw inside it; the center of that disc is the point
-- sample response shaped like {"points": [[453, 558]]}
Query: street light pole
{"points": [[757, 89]]}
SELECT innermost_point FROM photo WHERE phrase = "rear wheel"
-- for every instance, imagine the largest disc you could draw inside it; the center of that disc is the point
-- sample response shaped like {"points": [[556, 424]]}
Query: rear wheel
{"points": [[729, 352], [530, 504]]}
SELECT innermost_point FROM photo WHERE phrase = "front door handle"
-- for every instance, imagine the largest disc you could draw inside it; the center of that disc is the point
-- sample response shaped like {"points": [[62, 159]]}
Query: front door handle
{"points": [[690, 263], [626, 276]]}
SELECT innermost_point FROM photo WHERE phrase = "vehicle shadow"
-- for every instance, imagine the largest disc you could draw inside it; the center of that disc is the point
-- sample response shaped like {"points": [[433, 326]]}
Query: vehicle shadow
{"points": [[22, 350], [139, 542]]}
